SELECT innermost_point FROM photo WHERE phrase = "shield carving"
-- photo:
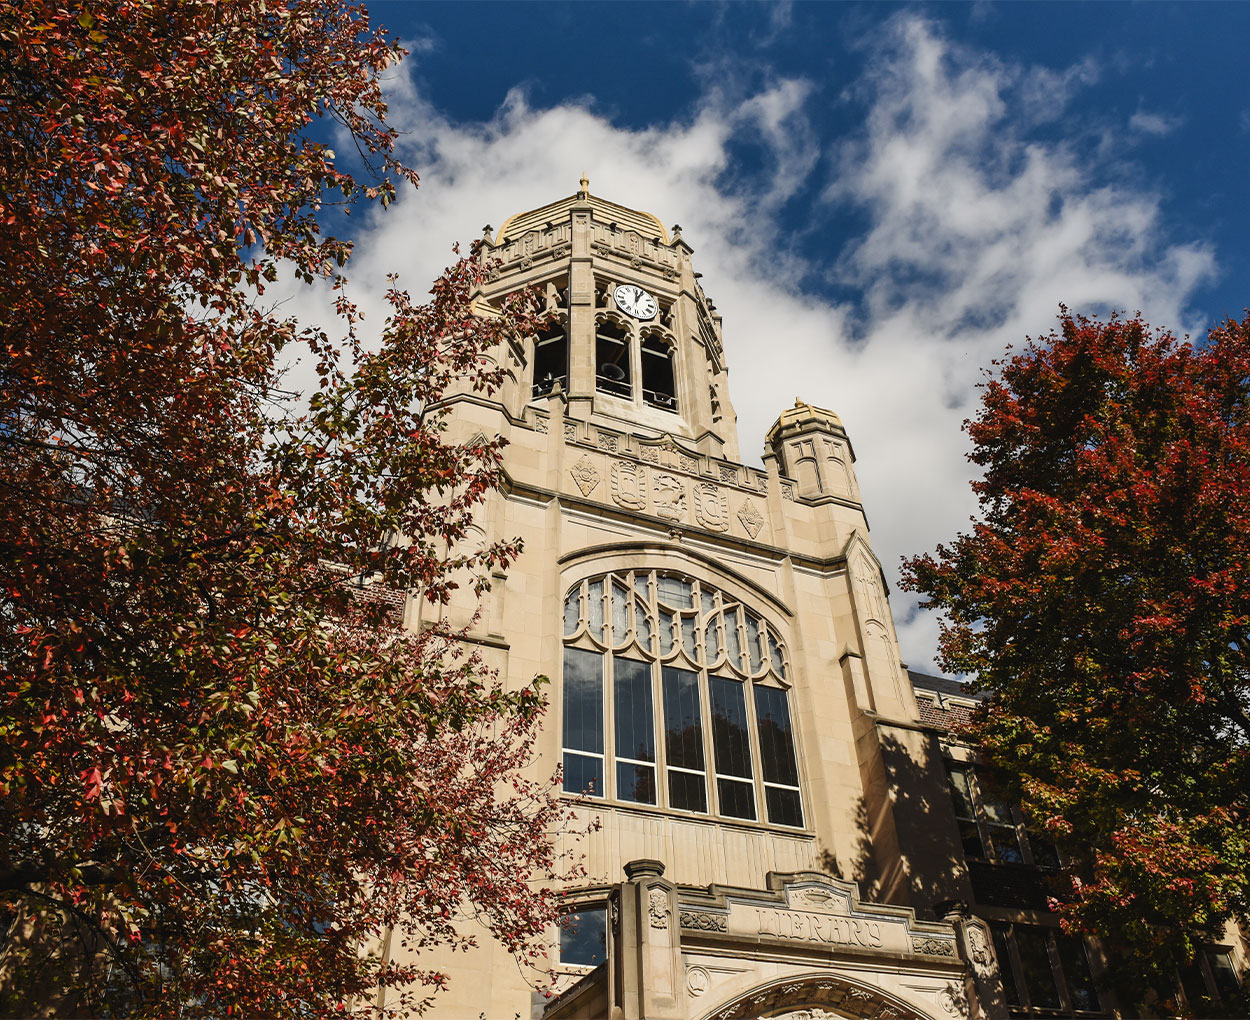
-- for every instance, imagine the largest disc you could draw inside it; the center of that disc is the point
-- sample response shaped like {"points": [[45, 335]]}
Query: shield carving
{"points": [[711, 509], [629, 485]]}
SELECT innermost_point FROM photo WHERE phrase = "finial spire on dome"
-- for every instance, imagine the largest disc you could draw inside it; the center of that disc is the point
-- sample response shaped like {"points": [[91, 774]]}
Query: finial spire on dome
{"points": [[585, 183]]}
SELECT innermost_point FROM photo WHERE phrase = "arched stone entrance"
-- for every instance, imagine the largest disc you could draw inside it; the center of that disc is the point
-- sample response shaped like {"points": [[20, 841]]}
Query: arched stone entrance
{"points": [[820, 996]]}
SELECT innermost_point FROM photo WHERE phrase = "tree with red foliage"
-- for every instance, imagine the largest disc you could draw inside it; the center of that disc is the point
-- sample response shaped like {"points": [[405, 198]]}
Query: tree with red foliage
{"points": [[1102, 598], [227, 769]]}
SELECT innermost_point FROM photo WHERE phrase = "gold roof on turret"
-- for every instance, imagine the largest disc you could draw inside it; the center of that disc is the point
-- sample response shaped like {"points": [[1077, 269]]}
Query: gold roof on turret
{"points": [[802, 414], [608, 212]]}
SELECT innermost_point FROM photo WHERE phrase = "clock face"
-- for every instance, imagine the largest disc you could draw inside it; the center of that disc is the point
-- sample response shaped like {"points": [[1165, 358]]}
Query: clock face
{"points": [[635, 301]]}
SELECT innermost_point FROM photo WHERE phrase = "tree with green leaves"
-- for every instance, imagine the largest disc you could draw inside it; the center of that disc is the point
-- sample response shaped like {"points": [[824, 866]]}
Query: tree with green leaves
{"points": [[1101, 597], [227, 769]]}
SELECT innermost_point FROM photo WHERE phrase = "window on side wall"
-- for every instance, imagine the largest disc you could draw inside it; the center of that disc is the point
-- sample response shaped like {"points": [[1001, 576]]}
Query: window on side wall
{"points": [[1044, 971], [990, 828], [676, 696], [584, 937]]}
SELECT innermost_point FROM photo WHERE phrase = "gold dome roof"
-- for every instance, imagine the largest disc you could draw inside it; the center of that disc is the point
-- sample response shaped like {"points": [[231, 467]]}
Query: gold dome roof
{"points": [[609, 212], [802, 414]]}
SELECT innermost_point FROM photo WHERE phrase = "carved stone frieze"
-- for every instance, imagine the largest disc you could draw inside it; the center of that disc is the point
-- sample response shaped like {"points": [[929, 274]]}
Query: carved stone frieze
{"points": [[570, 431], [628, 484], [711, 508], [609, 443], [697, 920], [585, 475], [787, 491], [932, 947], [651, 454], [728, 473], [750, 516], [540, 425], [669, 493]]}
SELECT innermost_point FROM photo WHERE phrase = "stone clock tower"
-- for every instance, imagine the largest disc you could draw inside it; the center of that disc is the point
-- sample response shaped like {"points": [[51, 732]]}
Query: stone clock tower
{"points": [[728, 701]]}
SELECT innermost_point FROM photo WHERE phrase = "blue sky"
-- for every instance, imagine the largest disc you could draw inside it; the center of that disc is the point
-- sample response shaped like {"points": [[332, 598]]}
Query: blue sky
{"points": [[883, 195]]}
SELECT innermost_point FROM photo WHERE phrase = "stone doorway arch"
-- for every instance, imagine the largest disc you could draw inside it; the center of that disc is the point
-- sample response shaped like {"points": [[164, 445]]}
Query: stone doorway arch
{"points": [[818, 996]]}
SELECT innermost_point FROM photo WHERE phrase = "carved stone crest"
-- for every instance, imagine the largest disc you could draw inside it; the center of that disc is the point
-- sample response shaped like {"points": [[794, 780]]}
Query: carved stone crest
{"points": [[697, 981], [585, 475], [977, 945], [711, 509], [657, 908], [629, 485], [670, 497], [750, 516]]}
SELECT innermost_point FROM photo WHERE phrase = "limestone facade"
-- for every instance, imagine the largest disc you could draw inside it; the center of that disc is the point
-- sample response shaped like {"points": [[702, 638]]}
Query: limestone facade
{"points": [[775, 824]]}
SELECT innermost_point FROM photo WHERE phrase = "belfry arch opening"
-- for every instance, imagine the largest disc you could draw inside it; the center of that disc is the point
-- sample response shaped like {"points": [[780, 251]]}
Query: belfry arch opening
{"points": [[551, 359], [612, 362], [659, 378]]}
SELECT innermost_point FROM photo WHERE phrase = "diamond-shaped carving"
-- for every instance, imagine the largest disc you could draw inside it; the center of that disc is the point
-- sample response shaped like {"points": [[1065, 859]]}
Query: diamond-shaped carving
{"points": [[585, 475], [750, 516]]}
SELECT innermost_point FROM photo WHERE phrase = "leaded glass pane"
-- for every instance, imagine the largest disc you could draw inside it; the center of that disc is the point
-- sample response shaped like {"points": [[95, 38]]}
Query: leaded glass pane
{"points": [[753, 643], [683, 722], [733, 640], [711, 640], [687, 791], [635, 782], [774, 652], [635, 728], [595, 610], [675, 592], [583, 700], [643, 622], [583, 774], [666, 632], [737, 799], [730, 739], [571, 614], [777, 759], [641, 585], [784, 806], [687, 637]]}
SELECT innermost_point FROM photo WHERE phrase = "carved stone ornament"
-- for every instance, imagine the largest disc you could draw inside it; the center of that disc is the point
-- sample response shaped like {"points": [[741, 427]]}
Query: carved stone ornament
{"points": [[711, 509], [932, 947], [540, 426], [629, 485], [698, 980], [670, 497], [787, 491], [728, 474], [835, 999], [751, 518], [946, 1000], [614, 908], [688, 463], [697, 920], [570, 431], [977, 945], [585, 475], [657, 908], [651, 454], [608, 443]]}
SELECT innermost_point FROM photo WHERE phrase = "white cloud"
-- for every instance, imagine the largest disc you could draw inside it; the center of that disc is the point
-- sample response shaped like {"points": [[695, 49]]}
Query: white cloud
{"points": [[977, 229], [1154, 123]]}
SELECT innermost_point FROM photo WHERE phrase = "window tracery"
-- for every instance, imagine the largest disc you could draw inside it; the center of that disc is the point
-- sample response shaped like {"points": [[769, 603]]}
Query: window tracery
{"points": [[646, 648]]}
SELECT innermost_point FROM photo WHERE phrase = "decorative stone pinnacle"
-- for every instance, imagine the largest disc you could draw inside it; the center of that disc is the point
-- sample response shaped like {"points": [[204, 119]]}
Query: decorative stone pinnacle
{"points": [[585, 183]]}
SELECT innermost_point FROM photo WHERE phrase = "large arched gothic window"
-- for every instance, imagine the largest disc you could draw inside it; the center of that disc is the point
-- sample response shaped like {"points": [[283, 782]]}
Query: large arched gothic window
{"points": [[675, 695]]}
